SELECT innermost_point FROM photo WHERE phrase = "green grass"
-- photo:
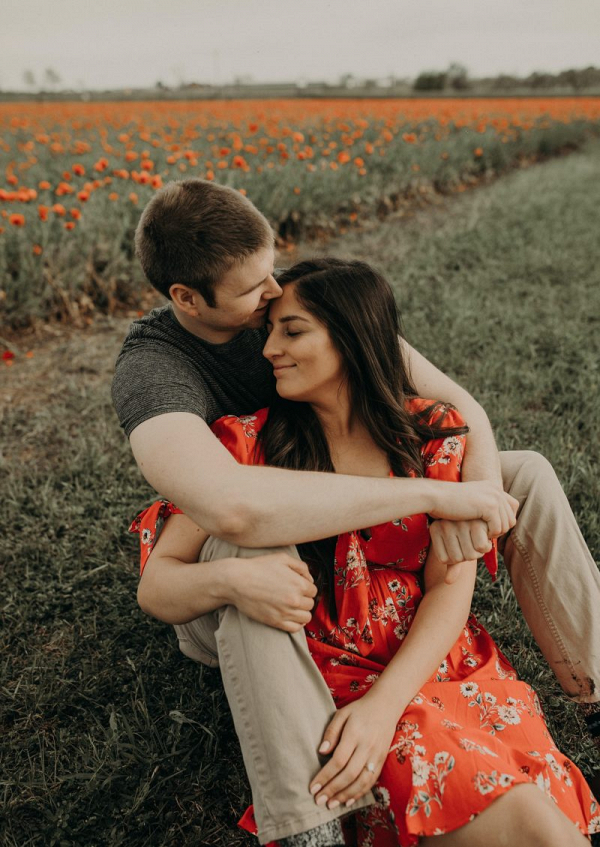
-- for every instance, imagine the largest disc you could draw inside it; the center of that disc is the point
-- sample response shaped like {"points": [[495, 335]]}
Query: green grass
{"points": [[109, 735]]}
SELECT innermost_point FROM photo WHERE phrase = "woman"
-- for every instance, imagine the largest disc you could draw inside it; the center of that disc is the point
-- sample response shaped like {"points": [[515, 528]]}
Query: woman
{"points": [[428, 708]]}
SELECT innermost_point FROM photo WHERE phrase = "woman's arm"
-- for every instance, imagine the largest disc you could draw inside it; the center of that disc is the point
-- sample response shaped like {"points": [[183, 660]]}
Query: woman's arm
{"points": [[362, 731], [274, 589]]}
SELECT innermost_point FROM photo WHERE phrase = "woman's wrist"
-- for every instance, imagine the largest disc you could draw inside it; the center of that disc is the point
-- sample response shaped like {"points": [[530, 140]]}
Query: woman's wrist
{"points": [[387, 700]]}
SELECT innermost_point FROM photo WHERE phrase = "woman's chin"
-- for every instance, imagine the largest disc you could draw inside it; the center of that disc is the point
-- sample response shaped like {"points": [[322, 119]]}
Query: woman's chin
{"points": [[288, 394]]}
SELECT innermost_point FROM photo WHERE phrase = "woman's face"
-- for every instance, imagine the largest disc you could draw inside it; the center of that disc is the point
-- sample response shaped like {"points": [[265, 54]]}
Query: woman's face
{"points": [[306, 365]]}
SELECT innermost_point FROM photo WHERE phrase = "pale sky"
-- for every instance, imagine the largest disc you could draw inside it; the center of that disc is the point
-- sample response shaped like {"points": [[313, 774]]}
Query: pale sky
{"points": [[131, 43]]}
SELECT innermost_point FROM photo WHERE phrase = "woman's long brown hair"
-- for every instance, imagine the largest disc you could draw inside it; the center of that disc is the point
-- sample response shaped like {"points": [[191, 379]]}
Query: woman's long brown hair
{"points": [[356, 305]]}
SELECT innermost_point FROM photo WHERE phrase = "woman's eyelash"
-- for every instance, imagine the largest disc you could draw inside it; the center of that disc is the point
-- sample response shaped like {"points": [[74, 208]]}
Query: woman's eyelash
{"points": [[291, 334]]}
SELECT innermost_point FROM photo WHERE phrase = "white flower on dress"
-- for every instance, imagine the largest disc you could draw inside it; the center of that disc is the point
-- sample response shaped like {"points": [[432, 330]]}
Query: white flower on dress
{"points": [[554, 766], [543, 783], [505, 779], [418, 748], [469, 746], [470, 662], [509, 714], [420, 772], [440, 758], [484, 783], [394, 585], [382, 796], [468, 689], [489, 698], [450, 724], [146, 536], [443, 668]]}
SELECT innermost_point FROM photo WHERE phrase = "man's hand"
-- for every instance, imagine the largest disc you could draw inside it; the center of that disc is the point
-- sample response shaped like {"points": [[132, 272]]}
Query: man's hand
{"points": [[485, 501], [459, 541], [276, 590]]}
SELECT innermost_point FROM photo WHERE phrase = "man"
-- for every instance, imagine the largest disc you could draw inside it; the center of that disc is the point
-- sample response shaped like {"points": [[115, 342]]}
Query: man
{"points": [[208, 250]]}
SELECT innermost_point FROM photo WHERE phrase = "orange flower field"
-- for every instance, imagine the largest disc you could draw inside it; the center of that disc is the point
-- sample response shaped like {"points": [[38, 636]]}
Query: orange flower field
{"points": [[74, 175]]}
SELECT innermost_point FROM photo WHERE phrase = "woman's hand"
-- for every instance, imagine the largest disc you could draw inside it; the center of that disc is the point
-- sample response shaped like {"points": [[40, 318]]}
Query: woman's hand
{"points": [[360, 734]]}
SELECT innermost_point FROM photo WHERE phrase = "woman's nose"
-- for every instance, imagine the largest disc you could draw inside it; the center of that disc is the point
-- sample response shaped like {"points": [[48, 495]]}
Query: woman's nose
{"points": [[270, 350]]}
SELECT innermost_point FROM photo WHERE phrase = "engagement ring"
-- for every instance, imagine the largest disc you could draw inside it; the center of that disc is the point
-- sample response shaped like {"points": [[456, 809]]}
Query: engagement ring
{"points": [[370, 766]]}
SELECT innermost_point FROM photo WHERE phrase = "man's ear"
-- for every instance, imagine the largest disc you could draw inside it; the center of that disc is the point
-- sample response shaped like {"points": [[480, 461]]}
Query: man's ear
{"points": [[187, 299]]}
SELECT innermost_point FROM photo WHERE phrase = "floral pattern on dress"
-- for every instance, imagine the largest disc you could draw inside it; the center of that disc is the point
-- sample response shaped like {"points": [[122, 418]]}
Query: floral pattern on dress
{"points": [[474, 730]]}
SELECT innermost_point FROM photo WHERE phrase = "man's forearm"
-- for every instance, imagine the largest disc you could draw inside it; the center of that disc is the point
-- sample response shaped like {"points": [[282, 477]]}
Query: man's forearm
{"points": [[271, 507], [176, 592], [481, 461]]}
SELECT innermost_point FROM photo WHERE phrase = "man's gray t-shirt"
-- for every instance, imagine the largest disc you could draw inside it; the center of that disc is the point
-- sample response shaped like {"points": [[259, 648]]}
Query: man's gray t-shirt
{"points": [[164, 368]]}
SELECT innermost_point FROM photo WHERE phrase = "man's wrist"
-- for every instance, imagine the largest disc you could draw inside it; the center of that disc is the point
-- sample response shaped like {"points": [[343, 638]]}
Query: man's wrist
{"points": [[225, 581]]}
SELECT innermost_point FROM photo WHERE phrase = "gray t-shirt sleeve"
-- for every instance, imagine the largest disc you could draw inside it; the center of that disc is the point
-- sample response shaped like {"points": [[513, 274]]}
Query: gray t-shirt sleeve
{"points": [[154, 382]]}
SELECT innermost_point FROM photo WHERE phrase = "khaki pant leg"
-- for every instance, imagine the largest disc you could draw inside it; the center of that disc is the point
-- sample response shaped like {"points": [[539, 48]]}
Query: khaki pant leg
{"points": [[280, 705], [555, 579]]}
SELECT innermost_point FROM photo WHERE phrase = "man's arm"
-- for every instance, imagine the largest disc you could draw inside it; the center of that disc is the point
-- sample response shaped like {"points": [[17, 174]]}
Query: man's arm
{"points": [[266, 507], [274, 589], [454, 542], [481, 460]]}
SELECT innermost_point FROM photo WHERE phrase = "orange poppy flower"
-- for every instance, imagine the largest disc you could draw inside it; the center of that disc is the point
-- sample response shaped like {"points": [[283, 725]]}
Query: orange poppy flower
{"points": [[69, 225], [75, 214], [78, 170], [37, 250], [16, 220], [43, 212], [44, 185]]}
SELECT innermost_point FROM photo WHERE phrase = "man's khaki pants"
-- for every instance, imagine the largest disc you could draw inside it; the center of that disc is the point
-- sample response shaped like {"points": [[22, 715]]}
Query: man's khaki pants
{"points": [[281, 704]]}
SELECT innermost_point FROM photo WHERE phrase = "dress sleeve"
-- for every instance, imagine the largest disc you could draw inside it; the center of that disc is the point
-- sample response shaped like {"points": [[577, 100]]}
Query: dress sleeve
{"points": [[149, 524], [240, 436], [443, 460]]}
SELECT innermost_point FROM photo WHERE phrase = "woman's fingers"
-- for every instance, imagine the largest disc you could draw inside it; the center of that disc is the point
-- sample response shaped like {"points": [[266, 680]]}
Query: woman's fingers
{"points": [[357, 789], [330, 744], [438, 542], [353, 781], [479, 539]]}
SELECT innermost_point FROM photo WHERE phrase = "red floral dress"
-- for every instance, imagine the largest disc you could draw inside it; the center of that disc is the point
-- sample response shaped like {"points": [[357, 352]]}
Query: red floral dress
{"points": [[474, 730]]}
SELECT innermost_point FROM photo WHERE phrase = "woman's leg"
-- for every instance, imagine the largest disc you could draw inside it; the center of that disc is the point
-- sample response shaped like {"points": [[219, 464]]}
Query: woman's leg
{"points": [[523, 816]]}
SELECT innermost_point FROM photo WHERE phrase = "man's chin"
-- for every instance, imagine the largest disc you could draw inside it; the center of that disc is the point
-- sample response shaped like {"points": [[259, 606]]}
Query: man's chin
{"points": [[257, 320]]}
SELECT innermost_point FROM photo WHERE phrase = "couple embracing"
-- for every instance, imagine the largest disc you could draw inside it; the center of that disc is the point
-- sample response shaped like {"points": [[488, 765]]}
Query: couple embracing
{"points": [[322, 518]]}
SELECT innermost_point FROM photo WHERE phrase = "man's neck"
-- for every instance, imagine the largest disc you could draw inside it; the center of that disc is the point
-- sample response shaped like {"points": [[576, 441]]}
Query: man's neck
{"points": [[207, 333]]}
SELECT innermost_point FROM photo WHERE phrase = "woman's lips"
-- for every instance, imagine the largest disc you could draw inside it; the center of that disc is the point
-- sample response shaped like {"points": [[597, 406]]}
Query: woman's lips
{"points": [[277, 369]]}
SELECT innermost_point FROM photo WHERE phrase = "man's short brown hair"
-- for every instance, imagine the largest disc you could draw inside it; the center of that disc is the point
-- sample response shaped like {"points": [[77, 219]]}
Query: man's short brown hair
{"points": [[193, 232]]}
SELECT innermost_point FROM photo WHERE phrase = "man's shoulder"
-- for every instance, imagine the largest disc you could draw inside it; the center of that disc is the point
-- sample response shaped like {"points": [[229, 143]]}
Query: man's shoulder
{"points": [[156, 323]]}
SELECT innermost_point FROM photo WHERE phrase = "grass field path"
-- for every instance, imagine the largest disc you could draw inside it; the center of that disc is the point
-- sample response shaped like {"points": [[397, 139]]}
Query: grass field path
{"points": [[110, 736]]}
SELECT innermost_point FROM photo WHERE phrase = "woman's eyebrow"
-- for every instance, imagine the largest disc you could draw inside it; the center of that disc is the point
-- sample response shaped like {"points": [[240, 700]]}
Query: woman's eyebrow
{"points": [[289, 318]]}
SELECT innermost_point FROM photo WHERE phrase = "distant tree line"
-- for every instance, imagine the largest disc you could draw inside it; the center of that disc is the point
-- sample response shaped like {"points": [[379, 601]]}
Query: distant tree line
{"points": [[456, 78]]}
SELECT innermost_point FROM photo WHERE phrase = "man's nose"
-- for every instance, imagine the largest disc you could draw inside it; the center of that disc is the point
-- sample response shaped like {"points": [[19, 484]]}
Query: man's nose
{"points": [[273, 290]]}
